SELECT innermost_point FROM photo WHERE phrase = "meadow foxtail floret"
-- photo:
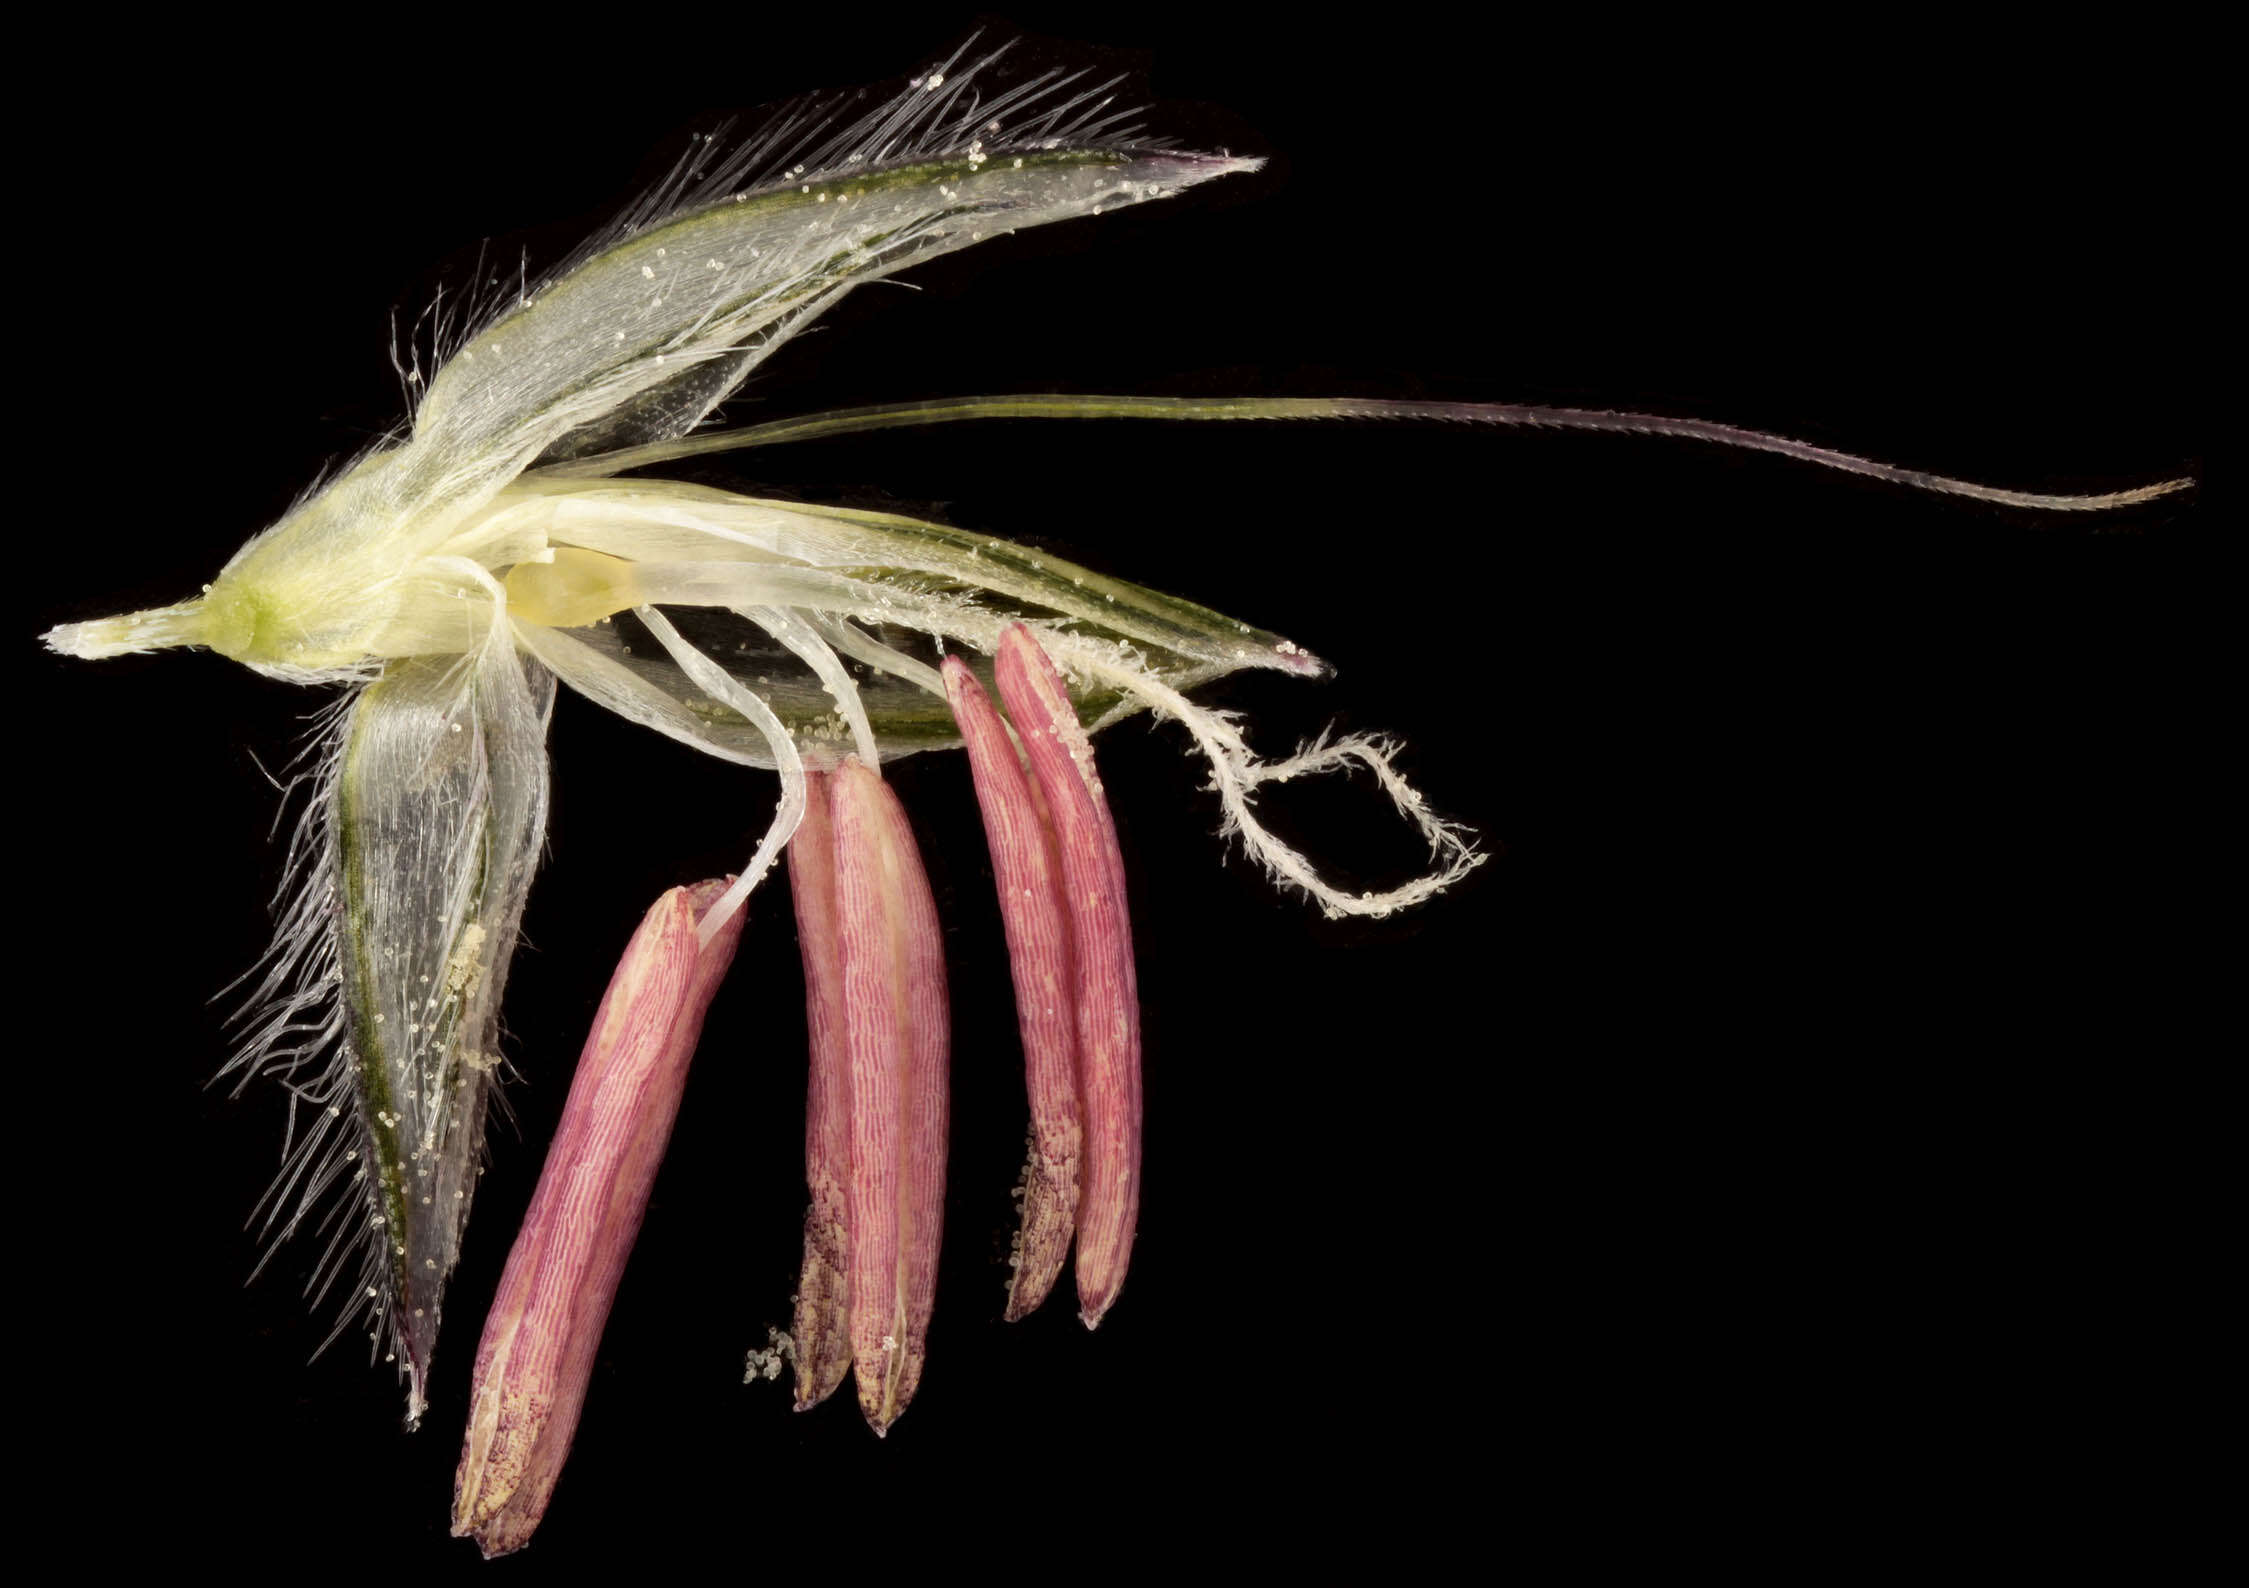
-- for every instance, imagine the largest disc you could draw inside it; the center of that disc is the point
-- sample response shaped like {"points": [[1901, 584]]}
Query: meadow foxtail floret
{"points": [[503, 541]]}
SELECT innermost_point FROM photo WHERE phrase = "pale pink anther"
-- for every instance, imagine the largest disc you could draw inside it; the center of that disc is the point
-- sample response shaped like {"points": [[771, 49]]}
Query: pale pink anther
{"points": [[1108, 999], [541, 1336], [1027, 868], [898, 1037], [823, 1309]]}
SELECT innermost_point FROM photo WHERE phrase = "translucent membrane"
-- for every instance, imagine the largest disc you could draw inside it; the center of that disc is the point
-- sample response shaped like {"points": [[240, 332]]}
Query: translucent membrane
{"points": [[438, 806]]}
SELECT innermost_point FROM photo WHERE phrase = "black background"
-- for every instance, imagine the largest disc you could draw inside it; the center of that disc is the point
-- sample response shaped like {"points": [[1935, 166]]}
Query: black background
{"points": [[1795, 1123]]}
